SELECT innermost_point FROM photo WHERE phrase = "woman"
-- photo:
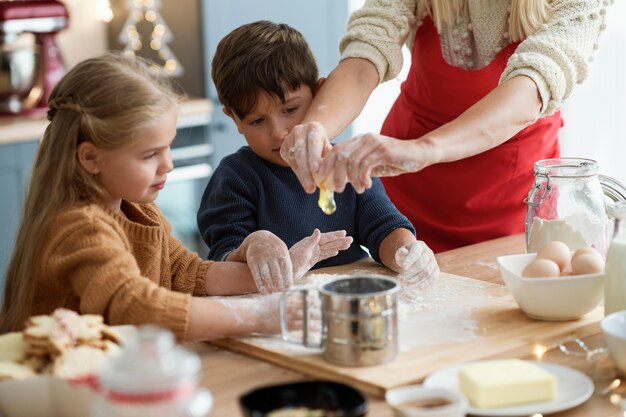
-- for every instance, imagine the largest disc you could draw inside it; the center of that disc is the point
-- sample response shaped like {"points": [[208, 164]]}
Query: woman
{"points": [[479, 107]]}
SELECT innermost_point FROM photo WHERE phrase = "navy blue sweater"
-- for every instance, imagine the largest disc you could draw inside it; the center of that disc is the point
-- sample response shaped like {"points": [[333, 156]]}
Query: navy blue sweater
{"points": [[247, 193]]}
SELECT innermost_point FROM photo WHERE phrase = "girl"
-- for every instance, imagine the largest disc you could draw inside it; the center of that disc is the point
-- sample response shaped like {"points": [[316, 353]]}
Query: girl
{"points": [[92, 239]]}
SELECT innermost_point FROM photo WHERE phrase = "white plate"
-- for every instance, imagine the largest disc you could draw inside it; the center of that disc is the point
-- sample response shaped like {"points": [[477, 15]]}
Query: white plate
{"points": [[573, 388]]}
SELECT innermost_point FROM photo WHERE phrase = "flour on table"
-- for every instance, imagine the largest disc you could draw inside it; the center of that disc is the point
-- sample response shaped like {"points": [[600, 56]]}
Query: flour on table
{"points": [[442, 313], [439, 314]]}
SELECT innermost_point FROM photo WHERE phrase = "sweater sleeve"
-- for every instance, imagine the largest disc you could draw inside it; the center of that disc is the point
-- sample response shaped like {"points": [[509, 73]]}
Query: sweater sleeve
{"points": [[374, 32], [227, 213], [377, 217], [188, 270], [557, 56], [94, 261]]}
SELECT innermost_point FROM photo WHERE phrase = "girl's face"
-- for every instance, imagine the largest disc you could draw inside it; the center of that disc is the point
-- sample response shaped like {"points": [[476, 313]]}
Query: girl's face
{"points": [[138, 172]]}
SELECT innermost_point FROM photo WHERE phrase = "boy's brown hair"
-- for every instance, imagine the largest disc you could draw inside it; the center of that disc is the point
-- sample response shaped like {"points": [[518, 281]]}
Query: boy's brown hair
{"points": [[261, 56]]}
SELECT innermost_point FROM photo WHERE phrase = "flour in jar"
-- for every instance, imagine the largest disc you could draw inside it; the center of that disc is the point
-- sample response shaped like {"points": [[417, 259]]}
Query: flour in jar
{"points": [[576, 231]]}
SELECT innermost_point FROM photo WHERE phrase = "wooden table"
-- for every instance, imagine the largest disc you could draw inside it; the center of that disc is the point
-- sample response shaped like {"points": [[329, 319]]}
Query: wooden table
{"points": [[228, 375]]}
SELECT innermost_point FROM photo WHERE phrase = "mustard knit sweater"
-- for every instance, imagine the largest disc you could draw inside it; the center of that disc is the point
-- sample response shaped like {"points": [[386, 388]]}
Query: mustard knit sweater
{"points": [[126, 267]]}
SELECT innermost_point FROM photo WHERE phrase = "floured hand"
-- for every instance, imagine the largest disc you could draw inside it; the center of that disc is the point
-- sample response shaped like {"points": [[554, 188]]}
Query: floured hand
{"points": [[416, 265], [317, 247], [303, 149], [261, 315], [269, 261]]}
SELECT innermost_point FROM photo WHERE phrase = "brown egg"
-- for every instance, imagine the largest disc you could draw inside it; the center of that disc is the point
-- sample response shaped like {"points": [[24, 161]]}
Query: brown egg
{"points": [[541, 268], [556, 251], [587, 263], [585, 249]]}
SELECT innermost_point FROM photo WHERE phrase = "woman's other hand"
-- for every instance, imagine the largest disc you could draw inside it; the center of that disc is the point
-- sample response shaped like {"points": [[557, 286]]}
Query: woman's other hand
{"points": [[416, 265], [303, 149], [358, 159]]}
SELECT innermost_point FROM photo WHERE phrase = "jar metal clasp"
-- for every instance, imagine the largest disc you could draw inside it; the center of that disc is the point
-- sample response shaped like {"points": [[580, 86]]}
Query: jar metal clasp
{"points": [[529, 200]]}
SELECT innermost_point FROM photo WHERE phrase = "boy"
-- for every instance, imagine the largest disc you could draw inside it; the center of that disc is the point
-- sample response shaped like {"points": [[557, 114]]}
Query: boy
{"points": [[266, 76]]}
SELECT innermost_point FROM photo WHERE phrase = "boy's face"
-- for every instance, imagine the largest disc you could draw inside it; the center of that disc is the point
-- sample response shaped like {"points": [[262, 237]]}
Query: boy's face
{"points": [[267, 125]]}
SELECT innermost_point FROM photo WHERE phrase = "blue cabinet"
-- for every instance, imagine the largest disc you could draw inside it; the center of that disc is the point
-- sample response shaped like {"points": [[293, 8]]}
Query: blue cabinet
{"points": [[16, 161]]}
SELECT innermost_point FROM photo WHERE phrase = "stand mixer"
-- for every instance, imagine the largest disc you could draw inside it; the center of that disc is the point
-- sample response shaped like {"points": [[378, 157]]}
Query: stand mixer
{"points": [[30, 61]]}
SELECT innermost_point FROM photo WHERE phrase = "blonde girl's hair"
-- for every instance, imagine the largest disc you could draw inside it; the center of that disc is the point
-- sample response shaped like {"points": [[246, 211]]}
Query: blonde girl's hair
{"points": [[105, 100], [525, 18]]}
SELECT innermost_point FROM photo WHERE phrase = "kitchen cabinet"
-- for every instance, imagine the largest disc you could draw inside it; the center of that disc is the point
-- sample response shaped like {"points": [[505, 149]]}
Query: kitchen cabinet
{"points": [[16, 161]]}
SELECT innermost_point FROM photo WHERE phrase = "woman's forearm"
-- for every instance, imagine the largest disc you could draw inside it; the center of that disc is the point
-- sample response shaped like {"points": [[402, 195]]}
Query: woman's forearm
{"points": [[343, 95], [509, 108]]}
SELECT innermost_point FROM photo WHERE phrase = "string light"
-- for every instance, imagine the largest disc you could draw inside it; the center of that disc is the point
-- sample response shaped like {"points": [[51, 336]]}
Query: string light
{"points": [[539, 350], [148, 11], [104, 10]]}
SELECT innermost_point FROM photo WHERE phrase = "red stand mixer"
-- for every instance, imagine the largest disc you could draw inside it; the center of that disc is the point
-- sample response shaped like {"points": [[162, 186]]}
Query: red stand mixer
{"points": [[30, 61]]}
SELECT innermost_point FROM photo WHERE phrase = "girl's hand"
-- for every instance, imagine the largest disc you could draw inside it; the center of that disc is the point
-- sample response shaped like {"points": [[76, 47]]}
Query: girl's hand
{"points": [[303, 149], [259, 315], [358, 159], [416, 265], [317, 247], [269, 261]]}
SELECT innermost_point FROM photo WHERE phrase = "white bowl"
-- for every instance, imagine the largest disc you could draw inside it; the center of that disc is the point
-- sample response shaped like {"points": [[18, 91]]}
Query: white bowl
{"points": [[614, 329], [561, 298], [400, 400]]}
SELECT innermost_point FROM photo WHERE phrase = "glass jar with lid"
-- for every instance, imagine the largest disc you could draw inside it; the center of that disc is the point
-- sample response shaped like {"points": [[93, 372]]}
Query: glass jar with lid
{"points": [[570, 202], [153, 376]]}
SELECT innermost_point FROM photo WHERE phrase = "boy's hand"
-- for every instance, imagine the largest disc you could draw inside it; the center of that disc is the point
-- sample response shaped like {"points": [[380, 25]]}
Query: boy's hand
{"points": [[269, 261], [417, 265], [317, 247]]}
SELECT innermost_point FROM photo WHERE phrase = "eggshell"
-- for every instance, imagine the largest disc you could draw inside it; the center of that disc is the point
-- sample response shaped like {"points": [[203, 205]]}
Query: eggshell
{"points": [[586, 249], [587, 263], [556, 251], [541, 268], [329, 182]]}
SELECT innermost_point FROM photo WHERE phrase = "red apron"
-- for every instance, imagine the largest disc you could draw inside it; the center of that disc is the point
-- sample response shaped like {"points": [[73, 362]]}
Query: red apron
{"points": [[478, 198]]}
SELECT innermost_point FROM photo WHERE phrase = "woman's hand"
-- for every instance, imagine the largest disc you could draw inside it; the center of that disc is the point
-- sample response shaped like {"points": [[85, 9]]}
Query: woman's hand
{"points": [[358, 159], [303, 149], [269, 261], [416, 265], [317, 247]]}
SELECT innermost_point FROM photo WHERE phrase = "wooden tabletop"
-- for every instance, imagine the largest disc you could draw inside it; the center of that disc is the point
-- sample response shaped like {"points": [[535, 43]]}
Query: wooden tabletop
{"points": [[228, 375]]}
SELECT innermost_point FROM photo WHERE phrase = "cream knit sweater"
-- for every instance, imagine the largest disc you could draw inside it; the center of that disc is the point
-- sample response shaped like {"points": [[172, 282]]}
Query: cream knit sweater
{"points": [[126, 267], [555, 57]]}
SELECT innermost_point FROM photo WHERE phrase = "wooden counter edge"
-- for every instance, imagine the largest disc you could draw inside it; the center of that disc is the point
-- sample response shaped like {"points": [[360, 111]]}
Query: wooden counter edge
{"points": [[26, 128]]}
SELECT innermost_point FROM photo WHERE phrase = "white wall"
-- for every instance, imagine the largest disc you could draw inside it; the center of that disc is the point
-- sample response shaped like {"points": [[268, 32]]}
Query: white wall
{"points": [[595, 113]]}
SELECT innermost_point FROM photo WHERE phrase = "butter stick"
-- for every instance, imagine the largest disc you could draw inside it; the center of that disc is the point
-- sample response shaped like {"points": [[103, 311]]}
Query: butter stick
{"points": [[502, 383]]}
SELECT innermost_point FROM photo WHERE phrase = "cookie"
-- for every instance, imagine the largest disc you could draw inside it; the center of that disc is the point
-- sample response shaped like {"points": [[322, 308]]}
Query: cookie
{"points": [[12, 347], [78, 362], [63, 329], [64, 343], [12, 370]]}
